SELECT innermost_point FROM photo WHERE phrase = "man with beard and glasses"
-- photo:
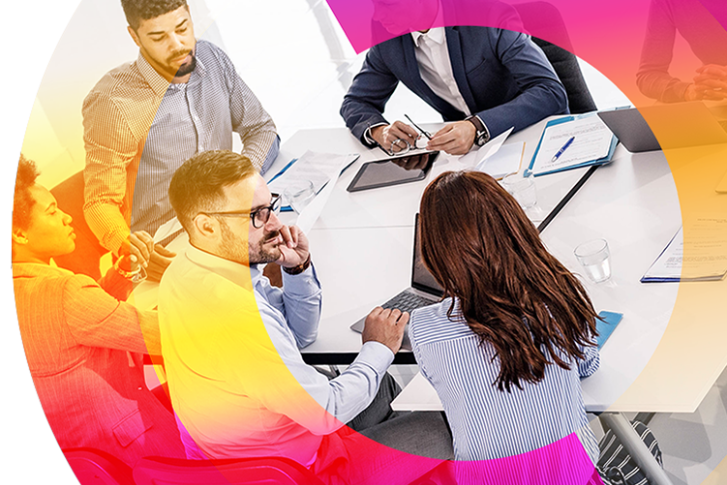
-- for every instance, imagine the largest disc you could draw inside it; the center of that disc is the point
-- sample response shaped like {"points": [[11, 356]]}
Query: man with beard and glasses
{"points": [[230, 342], [144, 119]]}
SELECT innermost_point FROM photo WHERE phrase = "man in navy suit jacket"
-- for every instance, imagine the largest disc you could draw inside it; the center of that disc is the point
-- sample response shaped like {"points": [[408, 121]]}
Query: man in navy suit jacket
{"points": [[492, 80]]}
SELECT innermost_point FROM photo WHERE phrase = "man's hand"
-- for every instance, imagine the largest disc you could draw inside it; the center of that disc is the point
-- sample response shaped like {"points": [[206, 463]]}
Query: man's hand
{"points": [[455, 139], [137, 249], [710, 83], [386, 327], [160, 259], [294, 249], [385, 135]]}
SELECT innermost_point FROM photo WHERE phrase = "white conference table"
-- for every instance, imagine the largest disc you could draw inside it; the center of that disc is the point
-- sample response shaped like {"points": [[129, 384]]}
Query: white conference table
{"points": [[362, 248], [362, 243]]}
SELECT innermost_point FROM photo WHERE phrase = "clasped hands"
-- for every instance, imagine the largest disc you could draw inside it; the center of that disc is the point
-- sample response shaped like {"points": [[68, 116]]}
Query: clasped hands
{"points": [[139, 249], [710, 83]]}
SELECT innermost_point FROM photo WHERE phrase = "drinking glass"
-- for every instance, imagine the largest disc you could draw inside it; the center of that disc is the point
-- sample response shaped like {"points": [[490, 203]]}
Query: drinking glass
{"points": [[298, 195], [594, 257], [523, 189]]}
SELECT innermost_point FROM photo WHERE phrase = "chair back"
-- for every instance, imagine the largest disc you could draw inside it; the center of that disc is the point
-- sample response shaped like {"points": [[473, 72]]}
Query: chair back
{"points": [[87, 255], [247, 471], [545, 17], [95, 467]]}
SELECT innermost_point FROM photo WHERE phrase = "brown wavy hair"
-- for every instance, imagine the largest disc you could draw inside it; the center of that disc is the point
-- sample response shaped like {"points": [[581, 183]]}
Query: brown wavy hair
{"points": [[483, 250]]}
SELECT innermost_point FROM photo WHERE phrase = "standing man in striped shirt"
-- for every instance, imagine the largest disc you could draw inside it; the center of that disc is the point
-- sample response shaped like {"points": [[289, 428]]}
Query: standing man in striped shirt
{"points": [[144, 119]]}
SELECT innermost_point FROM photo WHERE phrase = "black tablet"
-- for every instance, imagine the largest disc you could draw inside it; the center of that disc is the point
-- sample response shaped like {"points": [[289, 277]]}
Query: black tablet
{"points": [[389, 171]]}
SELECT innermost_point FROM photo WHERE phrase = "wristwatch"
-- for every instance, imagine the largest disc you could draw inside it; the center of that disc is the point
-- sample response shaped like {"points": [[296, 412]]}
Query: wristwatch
{"points": [[482, 135], [298, 269], [136, 276]]}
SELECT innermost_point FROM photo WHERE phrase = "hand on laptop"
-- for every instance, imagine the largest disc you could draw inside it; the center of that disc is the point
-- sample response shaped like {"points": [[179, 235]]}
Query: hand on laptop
{"points": [[386, 327]]}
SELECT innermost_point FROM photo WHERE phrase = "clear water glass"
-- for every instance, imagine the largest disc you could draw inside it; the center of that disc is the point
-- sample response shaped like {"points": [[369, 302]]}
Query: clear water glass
{"points": [[594, 256], [524, 192], [298, 195]]}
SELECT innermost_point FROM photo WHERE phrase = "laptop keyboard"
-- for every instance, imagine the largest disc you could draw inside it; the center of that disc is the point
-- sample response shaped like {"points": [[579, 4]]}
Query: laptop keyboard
{"points": [[406, 301]]}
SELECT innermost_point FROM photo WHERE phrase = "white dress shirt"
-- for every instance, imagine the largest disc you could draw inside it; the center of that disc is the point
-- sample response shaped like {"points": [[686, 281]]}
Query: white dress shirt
{"points": [[435, 67], [237, 380]]}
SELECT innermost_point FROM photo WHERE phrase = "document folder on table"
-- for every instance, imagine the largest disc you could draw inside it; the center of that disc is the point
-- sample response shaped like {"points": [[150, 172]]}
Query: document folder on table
{"points": [[706, 257], [593, 144]]}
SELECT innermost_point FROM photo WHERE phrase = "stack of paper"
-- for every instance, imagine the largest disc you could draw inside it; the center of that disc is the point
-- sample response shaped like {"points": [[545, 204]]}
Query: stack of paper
{"points": [[316, 167], [701, 256]]}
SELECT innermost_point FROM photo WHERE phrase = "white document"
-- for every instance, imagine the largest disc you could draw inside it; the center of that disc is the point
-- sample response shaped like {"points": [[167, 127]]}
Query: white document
{"points": [[491, 147], [313, 210], [507, 160], [316, 167], [705, 258], [592, 142]]}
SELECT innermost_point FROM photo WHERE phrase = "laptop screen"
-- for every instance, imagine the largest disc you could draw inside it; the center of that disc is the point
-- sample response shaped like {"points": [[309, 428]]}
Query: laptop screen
{"points": [[421, 278]]}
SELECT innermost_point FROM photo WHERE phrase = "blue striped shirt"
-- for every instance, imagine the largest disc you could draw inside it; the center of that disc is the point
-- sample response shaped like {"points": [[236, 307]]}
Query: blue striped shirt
{"points": [[487, 423]]}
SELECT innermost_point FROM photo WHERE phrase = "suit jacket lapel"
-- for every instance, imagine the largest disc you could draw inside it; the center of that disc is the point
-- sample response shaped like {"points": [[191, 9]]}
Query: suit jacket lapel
{"points": [[454, 47], [417, 84]]}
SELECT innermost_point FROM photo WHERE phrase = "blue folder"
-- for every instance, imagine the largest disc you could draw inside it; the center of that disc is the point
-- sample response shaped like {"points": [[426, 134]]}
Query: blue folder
{"points": [[566, 119], [606, 326]]}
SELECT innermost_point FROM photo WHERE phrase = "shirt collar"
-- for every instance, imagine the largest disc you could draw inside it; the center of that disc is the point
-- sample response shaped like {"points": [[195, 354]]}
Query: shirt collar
{"points": [[435, 35], [237, 273], [158, 84]]}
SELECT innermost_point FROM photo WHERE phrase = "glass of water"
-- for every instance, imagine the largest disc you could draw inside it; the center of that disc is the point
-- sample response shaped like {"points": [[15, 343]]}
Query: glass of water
{"points": [[594, 257], [523, 189], [298, 195]]}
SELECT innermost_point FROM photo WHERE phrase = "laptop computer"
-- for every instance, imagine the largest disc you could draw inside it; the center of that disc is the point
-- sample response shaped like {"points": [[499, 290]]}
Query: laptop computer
{"points": [[424, 289], [696, 126]]}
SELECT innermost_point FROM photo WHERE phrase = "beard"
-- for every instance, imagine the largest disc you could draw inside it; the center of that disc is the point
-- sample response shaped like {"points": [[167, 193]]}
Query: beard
{"points": [[184, 69], [234, 250]]}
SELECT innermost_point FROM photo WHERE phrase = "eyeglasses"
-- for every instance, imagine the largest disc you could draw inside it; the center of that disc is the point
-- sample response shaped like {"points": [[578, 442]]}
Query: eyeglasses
{"points": [[259, 217]]}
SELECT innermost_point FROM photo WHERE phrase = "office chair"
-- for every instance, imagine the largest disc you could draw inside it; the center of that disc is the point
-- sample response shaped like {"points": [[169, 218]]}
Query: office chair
{"points": [[247, 471], [85, 259], [545, 17], [95, 467]]}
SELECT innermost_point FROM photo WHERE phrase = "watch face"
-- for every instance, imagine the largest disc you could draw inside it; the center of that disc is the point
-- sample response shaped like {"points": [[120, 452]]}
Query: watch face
{"points": [[481, 139]]}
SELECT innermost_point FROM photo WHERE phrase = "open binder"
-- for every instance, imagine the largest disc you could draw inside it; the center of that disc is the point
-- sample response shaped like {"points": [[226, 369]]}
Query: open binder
{"points": [[594, 144]]}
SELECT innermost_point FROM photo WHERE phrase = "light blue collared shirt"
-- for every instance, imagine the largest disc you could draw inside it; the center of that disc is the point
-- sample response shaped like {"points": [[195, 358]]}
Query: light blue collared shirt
{"points": [[238, 417]]}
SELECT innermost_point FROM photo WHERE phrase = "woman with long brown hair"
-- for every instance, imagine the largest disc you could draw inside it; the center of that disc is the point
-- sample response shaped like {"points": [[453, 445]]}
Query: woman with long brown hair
{"points": [[507, 346]]}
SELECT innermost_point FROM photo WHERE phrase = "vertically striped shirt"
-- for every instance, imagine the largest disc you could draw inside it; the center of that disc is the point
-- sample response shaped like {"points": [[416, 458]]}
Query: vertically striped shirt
{"points": [[139, 128], [487, 423]]}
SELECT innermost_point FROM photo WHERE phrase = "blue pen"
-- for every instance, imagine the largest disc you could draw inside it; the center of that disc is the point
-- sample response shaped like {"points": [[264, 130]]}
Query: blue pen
{"points": [[562, 149]]}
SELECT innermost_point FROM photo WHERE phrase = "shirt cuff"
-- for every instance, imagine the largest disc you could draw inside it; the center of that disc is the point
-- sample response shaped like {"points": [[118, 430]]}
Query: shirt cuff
{"points": [[367, 134], [377, 356], [300, 284]]}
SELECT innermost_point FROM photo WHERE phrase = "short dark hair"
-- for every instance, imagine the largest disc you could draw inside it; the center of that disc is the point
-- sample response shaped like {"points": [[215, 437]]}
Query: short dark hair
{"points": [[138, 10], [23, 201], [197, 185]]}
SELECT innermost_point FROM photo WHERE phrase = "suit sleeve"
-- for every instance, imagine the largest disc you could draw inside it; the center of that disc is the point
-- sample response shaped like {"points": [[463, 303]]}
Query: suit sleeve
{"points": [[96, 319], [363, 105], [541, 92]]}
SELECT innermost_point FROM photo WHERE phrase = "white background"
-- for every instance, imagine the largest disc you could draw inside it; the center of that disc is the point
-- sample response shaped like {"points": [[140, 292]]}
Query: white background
{"points": [[29, 453]]}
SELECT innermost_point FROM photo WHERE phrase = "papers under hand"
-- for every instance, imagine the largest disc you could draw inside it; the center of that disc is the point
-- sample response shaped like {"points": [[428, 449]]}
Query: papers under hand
{"points": [[491, 147], [702, 256]]}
